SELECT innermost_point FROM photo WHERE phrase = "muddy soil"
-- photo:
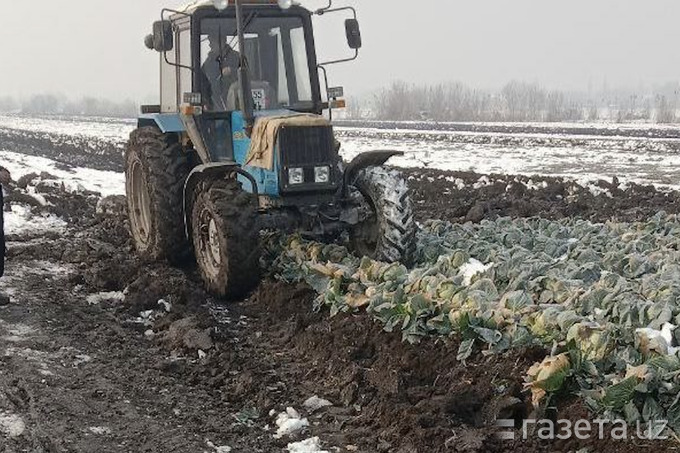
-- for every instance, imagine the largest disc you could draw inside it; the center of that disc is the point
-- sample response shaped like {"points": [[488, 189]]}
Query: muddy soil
{"points": [[102, 352], [574, 129], [462, 197], [70, 150]]}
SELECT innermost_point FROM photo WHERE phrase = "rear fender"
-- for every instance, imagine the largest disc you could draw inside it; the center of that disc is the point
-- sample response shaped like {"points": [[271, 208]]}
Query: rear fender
{"points": [[365, 160], [214, 170], [166, 122]]}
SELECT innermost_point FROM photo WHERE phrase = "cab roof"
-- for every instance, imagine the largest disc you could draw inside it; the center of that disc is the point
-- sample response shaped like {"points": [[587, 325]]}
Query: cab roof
{"points": [[191, 7]]}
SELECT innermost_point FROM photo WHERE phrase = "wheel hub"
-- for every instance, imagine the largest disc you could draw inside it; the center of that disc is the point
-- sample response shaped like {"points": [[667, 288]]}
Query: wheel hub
{"points": [[210, 250], [214, 242], [140, 213]]}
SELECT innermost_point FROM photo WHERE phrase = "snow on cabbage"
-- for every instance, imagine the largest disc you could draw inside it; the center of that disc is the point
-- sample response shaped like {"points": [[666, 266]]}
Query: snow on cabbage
{"points": [[603, 298]]}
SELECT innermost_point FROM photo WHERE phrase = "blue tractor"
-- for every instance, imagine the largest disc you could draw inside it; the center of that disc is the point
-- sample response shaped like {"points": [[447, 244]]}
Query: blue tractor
{"points": [[239, 144]]}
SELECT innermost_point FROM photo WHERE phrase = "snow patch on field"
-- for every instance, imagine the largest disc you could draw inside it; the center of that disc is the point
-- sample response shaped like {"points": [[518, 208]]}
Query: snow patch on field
{"points": [[312, 445], [100, 430], [472, 268], [218, 449], [15, 333], [75, 179], [582, 158], [99, 128], [11, 425], [21, 220], [96, 299], [290, 422], [315, 403]]}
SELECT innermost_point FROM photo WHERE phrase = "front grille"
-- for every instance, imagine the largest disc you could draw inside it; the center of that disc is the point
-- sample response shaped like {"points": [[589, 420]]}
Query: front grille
{"points": [[303, 146], [308, 147]]}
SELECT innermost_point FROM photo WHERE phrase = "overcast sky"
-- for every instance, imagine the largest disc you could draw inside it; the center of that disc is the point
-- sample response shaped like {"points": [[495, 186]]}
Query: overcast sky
{"points": [[95, 47]]}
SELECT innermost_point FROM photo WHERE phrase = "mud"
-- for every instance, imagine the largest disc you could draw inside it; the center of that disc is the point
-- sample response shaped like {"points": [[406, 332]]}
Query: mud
{"points": [[461, 197], [102, 352], [69, 150], [562, 129], [169, 369]]}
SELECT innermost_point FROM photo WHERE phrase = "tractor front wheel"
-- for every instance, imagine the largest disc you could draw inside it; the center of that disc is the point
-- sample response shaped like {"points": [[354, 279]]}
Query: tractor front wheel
{"points": [[388, 234], [225, 237], [156, 169]]}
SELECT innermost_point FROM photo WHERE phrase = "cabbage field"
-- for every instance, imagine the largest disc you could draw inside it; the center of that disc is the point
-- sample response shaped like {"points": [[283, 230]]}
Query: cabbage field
{"points": [[602, 298]]}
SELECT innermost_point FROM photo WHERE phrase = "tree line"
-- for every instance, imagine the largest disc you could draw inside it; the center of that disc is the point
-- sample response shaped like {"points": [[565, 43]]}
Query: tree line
{"points": [[52, 104], [517, 102]]}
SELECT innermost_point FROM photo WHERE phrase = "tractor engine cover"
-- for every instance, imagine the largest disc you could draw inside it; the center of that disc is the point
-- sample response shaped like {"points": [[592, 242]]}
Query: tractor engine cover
{"points": [[308, 150]]}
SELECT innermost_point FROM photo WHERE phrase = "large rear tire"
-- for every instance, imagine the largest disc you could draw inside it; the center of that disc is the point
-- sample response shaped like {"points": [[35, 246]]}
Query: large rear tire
{"points": [[389, 234], [226, 240], [156, 169]]}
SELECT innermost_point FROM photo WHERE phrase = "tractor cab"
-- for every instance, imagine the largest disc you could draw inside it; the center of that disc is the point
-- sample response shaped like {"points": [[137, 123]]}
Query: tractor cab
{"points": [[203, 54]]}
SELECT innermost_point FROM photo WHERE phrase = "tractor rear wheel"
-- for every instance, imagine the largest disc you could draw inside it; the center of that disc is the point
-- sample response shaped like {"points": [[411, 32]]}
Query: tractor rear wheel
{"points": [[388, 234], [156, 169], [225, 237]]}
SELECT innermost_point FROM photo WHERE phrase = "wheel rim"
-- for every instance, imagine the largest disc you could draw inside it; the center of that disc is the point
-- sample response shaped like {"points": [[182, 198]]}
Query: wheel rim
{"points": [[140, 215], [367, 233], [210, 249]]}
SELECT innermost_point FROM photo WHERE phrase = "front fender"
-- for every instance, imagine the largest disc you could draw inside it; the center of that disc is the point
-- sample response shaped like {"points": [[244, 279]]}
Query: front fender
{"points": [[365, 160], [213, 170]]}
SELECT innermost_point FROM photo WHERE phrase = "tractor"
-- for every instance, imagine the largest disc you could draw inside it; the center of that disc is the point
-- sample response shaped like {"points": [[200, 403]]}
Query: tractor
{"points": [[242, 142]]}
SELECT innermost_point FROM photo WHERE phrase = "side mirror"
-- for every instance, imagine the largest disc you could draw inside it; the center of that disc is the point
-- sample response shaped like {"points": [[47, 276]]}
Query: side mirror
{"points": [[353, 34], [162, 36]]}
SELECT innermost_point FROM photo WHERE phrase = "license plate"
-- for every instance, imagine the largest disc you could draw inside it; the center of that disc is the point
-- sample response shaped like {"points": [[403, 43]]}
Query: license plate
{"points": [[259, 99]]}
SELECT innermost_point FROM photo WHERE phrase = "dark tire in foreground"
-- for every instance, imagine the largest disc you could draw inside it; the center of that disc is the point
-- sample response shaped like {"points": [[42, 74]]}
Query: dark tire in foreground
{"points": [[155, 171], [225, 238], [390, 233]]}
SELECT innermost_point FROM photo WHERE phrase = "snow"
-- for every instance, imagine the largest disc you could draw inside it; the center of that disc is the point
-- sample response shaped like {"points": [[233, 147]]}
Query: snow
{"points": [[312, 445], [75, 179], [167, 306], [218, 449], [290, 422], [11, 425], [100, 430], [21, 220], [472, 268], [663, 339], [112, 129], [96, 299], [583, 158], [315, 403]]}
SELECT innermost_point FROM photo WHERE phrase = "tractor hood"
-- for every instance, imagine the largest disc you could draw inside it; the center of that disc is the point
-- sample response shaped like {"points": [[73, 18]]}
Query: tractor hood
{"points": [[266, 132]]}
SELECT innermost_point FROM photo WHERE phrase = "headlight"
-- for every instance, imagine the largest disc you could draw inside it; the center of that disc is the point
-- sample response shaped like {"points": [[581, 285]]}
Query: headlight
{"points": [[322, 174], [296, 176]]}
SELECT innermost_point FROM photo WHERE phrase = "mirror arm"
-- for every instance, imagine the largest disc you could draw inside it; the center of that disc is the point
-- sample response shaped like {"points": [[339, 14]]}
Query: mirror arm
{"points": [[165, 53], [354, 13], [344, 60], [344, 8], [322, 11]]}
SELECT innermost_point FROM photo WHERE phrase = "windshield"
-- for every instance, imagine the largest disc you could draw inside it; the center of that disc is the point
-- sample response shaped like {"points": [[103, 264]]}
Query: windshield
{"points": [[276, 54]]}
